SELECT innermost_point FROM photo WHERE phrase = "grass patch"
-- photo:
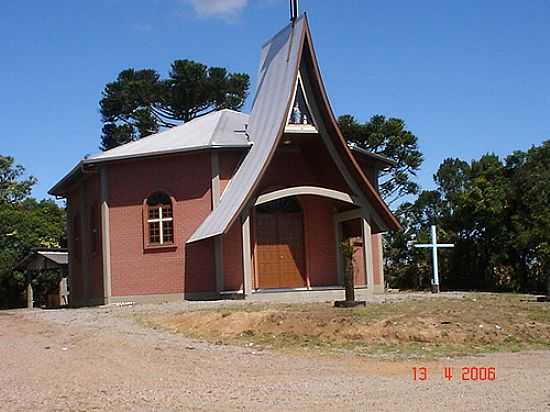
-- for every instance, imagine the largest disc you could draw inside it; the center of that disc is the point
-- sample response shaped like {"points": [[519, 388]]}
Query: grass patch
{"points": [[421, 328]]}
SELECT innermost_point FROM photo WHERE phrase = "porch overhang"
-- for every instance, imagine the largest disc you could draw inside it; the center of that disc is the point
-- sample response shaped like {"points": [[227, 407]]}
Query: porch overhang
{"points": [[306, 191]]}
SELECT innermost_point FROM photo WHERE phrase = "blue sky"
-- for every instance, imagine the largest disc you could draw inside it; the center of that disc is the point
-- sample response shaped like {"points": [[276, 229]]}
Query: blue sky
{"points": [[468, 77]]}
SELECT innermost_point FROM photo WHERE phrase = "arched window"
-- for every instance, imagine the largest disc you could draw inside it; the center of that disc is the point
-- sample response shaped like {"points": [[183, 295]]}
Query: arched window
{"points": [[160, 220]]}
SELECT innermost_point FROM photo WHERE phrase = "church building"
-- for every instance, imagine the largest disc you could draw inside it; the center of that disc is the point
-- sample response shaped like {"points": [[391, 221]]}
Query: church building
{"points": [[231, 204]]}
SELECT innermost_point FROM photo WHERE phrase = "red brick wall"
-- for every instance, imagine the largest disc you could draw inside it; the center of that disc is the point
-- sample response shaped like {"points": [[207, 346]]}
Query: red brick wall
{"points": [[229, 161], [352, 229], [233, 258], [287, 168], [309, 166], [186, 268]]}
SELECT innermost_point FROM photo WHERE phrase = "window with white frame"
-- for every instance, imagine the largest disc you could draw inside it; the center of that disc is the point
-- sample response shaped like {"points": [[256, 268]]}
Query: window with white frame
{"points": [[300, 119], [160, 219]]}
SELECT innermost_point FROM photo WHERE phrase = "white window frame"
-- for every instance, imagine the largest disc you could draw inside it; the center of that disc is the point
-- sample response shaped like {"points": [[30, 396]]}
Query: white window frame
{"points": [[160, 220], [301, 128]]}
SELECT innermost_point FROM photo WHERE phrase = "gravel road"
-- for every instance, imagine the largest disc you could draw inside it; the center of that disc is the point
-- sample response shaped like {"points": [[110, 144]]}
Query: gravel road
{"points": [[99, 359]]}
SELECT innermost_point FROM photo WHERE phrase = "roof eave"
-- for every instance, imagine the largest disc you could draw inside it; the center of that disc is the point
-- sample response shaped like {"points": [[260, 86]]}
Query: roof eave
{"points": [[168, 152], [387, 217], [58, 189], [386, 162]]}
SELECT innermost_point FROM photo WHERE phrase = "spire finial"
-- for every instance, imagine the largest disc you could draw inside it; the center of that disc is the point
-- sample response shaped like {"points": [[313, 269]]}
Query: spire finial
{"points": [[293, 10]]}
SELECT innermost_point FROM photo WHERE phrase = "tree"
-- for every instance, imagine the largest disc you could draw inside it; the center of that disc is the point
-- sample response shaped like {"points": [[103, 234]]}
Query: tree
{"points": [[529, 216], [25, 223], [497, 212], [408, 267], [12, 188], [139, 103], [388, 137]]}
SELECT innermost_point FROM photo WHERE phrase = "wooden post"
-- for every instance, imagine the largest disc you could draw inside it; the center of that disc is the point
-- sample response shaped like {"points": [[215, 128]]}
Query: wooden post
{"points": [[247, 253], [105, 236], [349, 302], [218, 256], [84, 244], [340, 261], [30, 297], [218, 240], [347, 251], [368, 256], [435, 280]]}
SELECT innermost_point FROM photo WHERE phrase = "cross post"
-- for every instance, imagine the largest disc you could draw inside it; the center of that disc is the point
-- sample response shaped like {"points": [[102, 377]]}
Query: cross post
{"points": [[293, 10], [434, 246]]}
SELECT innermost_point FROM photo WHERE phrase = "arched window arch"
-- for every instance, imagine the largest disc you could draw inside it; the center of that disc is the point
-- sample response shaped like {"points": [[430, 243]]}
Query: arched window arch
{"points": [[159, 220]]}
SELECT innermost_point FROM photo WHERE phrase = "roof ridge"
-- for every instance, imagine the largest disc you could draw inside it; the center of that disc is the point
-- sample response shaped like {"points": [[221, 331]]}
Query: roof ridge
{"points": [[217, 127], [283, 30], [141, 139]]}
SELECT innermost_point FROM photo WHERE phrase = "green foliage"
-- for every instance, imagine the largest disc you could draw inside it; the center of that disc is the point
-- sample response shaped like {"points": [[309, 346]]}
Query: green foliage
{"points": [[25, 223], [390, 138], [498, 215], [139, 102], [528, 215], [12, 188]]}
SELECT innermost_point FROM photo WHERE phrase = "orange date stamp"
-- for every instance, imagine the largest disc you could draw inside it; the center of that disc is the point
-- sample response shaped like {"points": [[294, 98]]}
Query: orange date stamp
{"points": [[467, 373]]}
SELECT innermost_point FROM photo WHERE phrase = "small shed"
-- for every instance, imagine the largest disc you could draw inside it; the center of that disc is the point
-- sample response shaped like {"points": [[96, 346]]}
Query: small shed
{"points": [[46, 259]]}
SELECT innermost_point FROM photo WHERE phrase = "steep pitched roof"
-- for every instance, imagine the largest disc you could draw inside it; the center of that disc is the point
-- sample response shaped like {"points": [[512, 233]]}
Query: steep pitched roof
{"points": [[277, 79], [223, 128]]}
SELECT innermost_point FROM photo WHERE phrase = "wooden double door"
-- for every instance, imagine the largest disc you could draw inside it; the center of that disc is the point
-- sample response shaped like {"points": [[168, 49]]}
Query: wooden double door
{"points": [[280, 251]]}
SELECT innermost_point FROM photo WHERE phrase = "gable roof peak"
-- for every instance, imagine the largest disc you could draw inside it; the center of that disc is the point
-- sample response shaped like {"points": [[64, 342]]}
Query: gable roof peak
{"points": [[281, 58]]}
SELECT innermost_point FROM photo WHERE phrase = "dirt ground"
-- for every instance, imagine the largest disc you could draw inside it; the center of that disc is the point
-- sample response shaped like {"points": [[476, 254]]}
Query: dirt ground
{"points": [[419, 328], [101, 359]]}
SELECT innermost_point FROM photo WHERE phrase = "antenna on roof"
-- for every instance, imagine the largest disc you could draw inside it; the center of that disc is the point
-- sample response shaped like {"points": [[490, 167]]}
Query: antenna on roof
{"points": [[293, 10]]}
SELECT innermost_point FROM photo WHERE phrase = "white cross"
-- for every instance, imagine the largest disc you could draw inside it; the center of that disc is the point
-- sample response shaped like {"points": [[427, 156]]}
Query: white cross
{"points": [[294, 10], [434, 245]]}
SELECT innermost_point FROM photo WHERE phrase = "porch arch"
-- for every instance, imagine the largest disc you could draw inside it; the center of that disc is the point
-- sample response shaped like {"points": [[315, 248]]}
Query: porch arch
{"points": [[306, 190]]}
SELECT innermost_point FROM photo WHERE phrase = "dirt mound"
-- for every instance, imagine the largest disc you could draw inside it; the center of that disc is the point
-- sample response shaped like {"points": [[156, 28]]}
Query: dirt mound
{"points": [[488, 323]]}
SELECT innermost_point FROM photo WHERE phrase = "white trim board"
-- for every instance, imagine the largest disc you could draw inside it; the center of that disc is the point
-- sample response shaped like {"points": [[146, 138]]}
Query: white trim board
{"points": [[306, 190]]}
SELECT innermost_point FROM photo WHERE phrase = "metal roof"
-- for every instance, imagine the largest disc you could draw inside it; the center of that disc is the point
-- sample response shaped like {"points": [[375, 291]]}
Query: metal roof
{"points": [[220, 128], [43, 259], [61, 258], [277, 78]]}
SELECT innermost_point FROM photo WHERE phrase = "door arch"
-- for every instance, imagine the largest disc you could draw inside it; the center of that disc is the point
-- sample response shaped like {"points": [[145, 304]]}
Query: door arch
{"points": [[280, 249]]}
